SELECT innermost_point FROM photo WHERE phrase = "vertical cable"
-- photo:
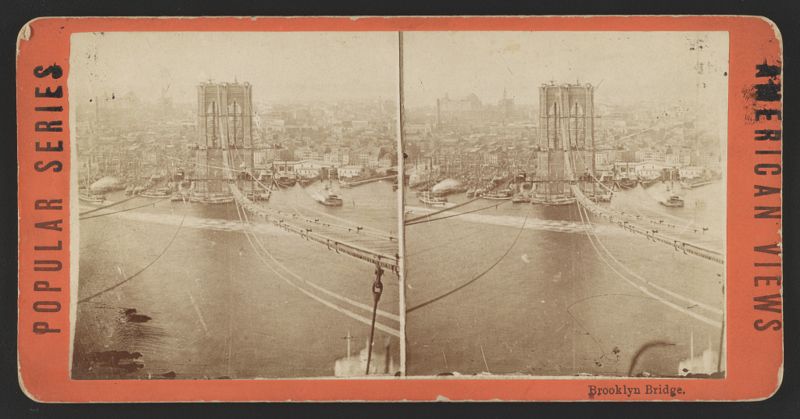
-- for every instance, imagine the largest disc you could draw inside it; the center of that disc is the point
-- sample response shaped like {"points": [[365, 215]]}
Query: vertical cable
{"points": [[401, 236]]}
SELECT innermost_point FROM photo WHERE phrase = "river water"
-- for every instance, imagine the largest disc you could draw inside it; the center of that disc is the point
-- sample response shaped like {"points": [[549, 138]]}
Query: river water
{"points": [[511, 289], [546, 300], [208, 305]]}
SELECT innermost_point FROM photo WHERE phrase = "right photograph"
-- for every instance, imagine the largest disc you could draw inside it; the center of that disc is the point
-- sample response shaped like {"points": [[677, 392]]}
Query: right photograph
{"points": [[565, 203]]}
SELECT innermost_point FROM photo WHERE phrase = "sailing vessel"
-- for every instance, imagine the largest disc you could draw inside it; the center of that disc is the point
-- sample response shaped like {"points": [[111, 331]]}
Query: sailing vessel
{"points": [[85, 193]]}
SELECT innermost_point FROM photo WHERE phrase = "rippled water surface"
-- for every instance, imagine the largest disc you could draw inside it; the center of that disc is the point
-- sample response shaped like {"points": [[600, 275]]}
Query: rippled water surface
{"points": [[547, 300], [205, 305]]}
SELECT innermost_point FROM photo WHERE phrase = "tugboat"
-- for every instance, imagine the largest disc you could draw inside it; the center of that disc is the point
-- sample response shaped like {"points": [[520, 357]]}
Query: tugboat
{"points": [[330, 199], [674, 201]]}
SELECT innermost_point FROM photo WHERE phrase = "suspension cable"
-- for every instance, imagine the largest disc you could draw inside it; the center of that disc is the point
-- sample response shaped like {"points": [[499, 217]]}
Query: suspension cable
{"points": [[174, 235], [108, 206], [122, 210], [477, 277]]}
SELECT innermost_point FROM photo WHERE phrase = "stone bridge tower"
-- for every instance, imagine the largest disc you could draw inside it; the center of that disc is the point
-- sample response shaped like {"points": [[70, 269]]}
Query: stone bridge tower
{"points": [[224, 121], [566, 123]]}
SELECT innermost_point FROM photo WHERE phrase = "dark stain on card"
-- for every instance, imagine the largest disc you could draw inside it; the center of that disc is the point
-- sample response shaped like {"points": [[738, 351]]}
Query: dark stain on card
{"points": [[132, 316], [121, 360]]}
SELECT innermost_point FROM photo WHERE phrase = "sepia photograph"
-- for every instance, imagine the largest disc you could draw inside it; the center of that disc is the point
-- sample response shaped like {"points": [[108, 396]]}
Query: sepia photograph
{"points": [[236, 205], [399, 209], [565, 209]]}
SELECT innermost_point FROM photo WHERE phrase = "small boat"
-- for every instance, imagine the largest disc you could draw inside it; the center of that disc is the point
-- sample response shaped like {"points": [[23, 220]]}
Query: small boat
{"points": [[221, 199], [520, 199], [91, 197], [305, 181], [502, 194], [560, 201], [674, 201], [163, 192], [286, 182], [646, 183], [471, 193], [626, 183], [429, 199], [691, 184], [552, 200], [258, 195], [212, 198], [601, 197]]}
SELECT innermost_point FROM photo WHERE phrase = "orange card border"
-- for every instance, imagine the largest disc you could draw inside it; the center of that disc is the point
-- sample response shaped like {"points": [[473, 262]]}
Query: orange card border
{"points": [[754, 360]]}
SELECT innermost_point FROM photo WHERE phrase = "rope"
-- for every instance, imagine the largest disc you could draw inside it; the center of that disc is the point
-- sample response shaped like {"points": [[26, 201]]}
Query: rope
{"points": [[177, 230], [377, 290]]}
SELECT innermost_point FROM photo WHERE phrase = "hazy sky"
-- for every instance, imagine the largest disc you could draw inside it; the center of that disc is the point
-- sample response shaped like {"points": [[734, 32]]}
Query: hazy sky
{"points": [[280, 66], [629, 66]]}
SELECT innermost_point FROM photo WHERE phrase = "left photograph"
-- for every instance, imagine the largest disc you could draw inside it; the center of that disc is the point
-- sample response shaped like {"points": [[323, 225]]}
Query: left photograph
{"points": [[235, 205]]}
